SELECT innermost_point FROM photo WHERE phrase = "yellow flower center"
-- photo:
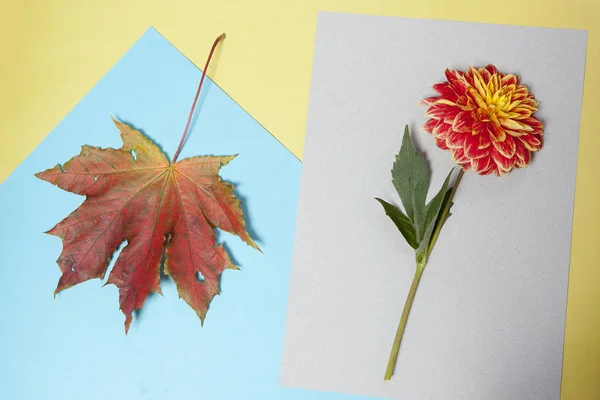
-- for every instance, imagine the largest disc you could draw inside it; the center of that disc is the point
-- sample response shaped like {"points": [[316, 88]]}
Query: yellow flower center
{"points": [[493, 101], [495, 104]]}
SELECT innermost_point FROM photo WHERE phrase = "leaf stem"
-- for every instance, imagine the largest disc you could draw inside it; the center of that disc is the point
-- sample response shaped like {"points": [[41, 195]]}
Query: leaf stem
{"points": [[187, 126], [400, 331], [444, 213]]}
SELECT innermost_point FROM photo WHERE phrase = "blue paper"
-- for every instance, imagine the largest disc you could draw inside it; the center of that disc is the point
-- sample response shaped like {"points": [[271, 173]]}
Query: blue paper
{"points": [[74, 346]]}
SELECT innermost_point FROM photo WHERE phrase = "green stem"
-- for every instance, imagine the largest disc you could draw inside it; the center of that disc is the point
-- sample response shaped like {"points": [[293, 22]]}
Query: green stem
{"points": [[444, 212], [400, 331]]}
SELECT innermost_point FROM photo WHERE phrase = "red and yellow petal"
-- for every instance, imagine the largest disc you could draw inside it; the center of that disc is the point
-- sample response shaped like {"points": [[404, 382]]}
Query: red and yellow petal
{"points": [[523, 155], [441, 129], [441, 143], [486, 75], [463, 122], [520, 93], [507, 147], [534, 123], [497, 133], [515, 125], [458, 156], [518, 113], [428, 126], [530, 142], [509, 79], [473, 149], [453, 75], [443, 111], [459, 87], [455, 139], [482, 164], [505, 164], [445, 90], [463, 103], [491, 69], [429, 101], [492, 168]]}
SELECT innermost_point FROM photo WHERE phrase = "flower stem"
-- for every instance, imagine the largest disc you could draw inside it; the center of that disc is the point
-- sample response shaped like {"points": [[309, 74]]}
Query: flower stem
{"points": [[187, 126], [444, 213], [417, 278], [400, 331]]}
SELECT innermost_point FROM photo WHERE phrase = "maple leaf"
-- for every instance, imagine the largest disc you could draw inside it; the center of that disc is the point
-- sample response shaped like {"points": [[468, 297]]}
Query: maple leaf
{"points": [[158, 207]]}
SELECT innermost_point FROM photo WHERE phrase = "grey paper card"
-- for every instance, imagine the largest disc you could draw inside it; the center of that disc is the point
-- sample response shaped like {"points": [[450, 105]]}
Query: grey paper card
{"points": [[488, 319]]}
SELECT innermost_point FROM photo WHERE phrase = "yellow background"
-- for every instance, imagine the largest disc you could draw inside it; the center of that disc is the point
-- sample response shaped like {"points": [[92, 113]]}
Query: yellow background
{"points": [[54, 51]]}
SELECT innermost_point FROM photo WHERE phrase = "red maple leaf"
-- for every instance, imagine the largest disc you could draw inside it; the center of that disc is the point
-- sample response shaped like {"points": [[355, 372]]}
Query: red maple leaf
{"points": [[159, 208]]}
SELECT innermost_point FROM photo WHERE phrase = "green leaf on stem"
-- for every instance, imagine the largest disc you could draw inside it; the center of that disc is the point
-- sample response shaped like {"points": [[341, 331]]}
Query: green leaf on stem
{"points": [[433, 213], [410, 177], [404, 225]]}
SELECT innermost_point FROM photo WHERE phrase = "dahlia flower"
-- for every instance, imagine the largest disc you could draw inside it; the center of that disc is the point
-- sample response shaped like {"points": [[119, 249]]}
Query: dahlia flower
{"points": [[485, 119]]}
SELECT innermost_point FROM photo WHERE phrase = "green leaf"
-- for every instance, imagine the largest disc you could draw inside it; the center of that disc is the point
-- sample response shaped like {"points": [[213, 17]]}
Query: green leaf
{"points": [[446, 198], [435, 206], [411, 180], [404, 225], [449, 213]]}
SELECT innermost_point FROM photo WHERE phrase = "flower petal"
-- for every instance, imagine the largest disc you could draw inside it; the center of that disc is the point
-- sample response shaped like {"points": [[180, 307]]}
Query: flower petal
{"points": [[482, 164], [458, 156], [459, 86], [528, 104], [429, 101], [497, 133], [509, 79], [530, 142], [523, 155], [455, 139], [484, 142], [428, 126], [491, 69], [463, 103], [534, 123], [443, 111], [504, 164], [520, 93], [473, 149], [494, 84], [486, 75], [489, 130], [506, 147], [470, 76], [480, 84], [463, 122], [441, 143], [453, 75], [445, 90], [492, 168], [516, 113], [441, 129], [516, 133], [478, 100], [516, 125]]}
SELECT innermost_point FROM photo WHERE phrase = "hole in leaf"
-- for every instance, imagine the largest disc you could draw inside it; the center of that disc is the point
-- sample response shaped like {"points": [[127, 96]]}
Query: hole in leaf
{"points": [[95, 179], [199, 277], [73, 267], [133, 154], [112, 260]]}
